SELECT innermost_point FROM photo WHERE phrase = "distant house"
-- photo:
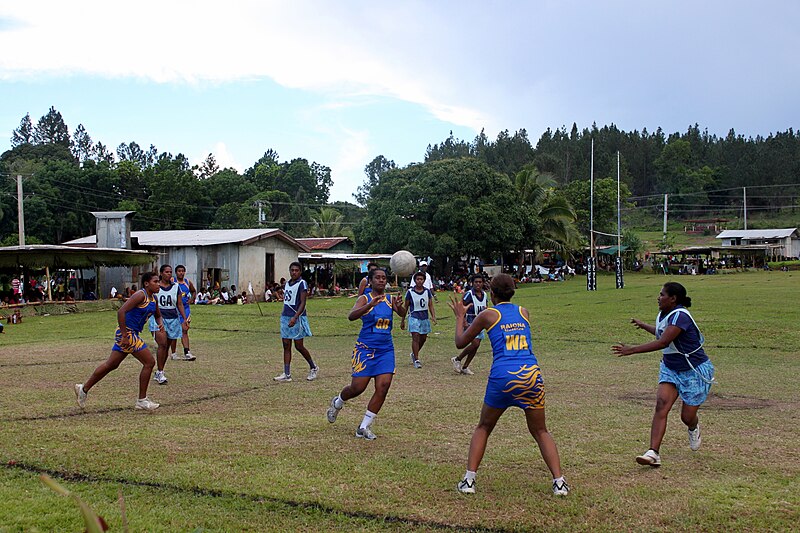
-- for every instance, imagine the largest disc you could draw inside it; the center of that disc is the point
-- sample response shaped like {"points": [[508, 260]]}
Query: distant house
{"points": [[224, 256], [775, 242], [342, 245], [703, 225]]}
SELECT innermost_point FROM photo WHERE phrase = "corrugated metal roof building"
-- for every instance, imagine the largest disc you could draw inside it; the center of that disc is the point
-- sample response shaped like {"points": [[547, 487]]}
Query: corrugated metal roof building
{"points": [[225, 256]]}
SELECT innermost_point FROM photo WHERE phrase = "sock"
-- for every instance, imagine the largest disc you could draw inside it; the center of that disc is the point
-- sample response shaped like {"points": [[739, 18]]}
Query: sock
{"points": [[338, 402], [185, 351], [558, 480], [369, 416], [286, 370], [470, 475], [311, 364]]}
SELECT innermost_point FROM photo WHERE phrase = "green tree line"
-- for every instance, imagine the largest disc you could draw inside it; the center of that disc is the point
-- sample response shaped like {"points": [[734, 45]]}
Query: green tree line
{"points": [[65, 177]]}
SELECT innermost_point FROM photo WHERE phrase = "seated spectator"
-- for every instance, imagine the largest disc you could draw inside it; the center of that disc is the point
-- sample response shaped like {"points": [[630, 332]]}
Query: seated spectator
{"points": [[242, 298], [202, 298], [224, 297], [268, 295], [90, 296]]}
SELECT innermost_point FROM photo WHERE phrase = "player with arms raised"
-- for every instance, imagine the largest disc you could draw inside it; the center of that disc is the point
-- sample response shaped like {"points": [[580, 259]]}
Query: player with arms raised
{"points": [[514, 380]]}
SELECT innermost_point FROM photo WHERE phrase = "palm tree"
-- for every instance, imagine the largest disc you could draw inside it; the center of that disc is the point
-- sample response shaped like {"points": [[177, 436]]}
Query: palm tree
{"points": [[328, 222], [554, 216]]}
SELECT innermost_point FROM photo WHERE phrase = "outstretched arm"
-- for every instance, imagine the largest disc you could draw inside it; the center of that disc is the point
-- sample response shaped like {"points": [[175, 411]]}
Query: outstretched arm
{"points": [[669, 335]]}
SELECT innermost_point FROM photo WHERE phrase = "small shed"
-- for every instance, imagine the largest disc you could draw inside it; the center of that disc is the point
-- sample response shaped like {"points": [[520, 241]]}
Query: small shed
{"points": [[218, 256]]}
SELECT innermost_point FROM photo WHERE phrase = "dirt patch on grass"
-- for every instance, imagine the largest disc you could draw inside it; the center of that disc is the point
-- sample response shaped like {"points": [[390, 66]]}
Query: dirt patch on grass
{"points": [[720, 402]]}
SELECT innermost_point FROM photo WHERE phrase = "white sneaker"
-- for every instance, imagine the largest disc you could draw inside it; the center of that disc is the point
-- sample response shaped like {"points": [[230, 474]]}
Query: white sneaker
{"points": [[466, 486], [412, 357], [333, 411], [80, 395], [283, 378], [146, 404], [650, 458], [312, 374], [456, 364], [417, 363], [365, 433], [174, 356], [467, 371], [560, 488], [183, 357], [160, 377], [695, 439]]}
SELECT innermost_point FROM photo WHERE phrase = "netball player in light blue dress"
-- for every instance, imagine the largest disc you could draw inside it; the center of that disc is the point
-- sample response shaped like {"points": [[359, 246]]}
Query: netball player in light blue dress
{"points": [[420, 310], [294, 324], [515, 379], [132, 317], [685, 371], [373, 355], [475, 301], [188, 293]]}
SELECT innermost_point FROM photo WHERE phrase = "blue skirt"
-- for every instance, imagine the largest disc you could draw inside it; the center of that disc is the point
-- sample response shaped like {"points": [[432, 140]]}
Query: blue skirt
{"points": [[300, 330], [369, 362], [691, 388], [419, 325], [522, 387]]}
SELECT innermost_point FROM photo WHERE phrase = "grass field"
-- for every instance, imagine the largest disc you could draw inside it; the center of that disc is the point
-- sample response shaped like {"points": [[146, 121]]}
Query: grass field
{"points": [[231, 450]]}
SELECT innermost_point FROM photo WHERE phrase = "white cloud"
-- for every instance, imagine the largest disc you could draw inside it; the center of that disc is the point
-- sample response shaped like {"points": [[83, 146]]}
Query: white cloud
{"points": [[312, 46]]}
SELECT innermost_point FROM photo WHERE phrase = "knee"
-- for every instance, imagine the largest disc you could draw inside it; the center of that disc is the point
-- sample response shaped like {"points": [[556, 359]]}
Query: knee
{"points": [[383, 389], [662, 407]]}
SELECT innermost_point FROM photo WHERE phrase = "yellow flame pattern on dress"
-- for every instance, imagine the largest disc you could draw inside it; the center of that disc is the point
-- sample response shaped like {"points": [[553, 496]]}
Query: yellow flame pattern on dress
{"points": [[361, 353], [528, 388]]}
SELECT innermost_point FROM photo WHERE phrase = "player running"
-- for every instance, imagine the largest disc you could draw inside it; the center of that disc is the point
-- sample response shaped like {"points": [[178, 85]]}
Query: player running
{"points": [[131, 318], [686, 370], [419, 303], [188, 293], [475, 300], [170, 304], [294, 324]]}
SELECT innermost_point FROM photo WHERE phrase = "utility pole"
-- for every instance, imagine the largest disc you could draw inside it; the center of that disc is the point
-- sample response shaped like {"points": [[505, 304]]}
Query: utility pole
{"points": [[20, 211], [665, 218], [744, 190]]}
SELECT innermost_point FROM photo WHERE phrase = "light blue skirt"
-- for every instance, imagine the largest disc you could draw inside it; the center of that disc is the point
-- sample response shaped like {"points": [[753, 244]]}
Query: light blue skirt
{"points": [[692, 389], [300, 330], [419, 325]]}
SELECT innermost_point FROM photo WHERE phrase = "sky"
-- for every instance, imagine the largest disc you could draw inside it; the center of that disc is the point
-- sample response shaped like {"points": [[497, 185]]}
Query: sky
{"points": [[342, 82]]}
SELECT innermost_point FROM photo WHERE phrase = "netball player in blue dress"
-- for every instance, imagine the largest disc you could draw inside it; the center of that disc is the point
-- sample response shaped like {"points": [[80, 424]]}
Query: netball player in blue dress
{"points": [[685, 371], [294, 324], [373, 355], [475, 301], [131, 317], [419, 303], [514, 380]]}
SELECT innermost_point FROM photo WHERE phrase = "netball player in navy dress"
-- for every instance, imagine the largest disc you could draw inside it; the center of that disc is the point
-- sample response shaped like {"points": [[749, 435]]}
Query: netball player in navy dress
{"points": [[685, 371], [514, 379], [373, 355], [132, 317]]}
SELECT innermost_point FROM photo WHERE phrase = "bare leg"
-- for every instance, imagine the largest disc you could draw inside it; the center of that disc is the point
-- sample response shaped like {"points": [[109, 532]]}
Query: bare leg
{"points": [[163, 349], [665, 399], [173, 345], [356, 387], [287, 351], [689, 415], [477, 446], [382, 384], [146, 358], [415, 345], [468, 353], [298, 344], [101, 371], [538, 428]]}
